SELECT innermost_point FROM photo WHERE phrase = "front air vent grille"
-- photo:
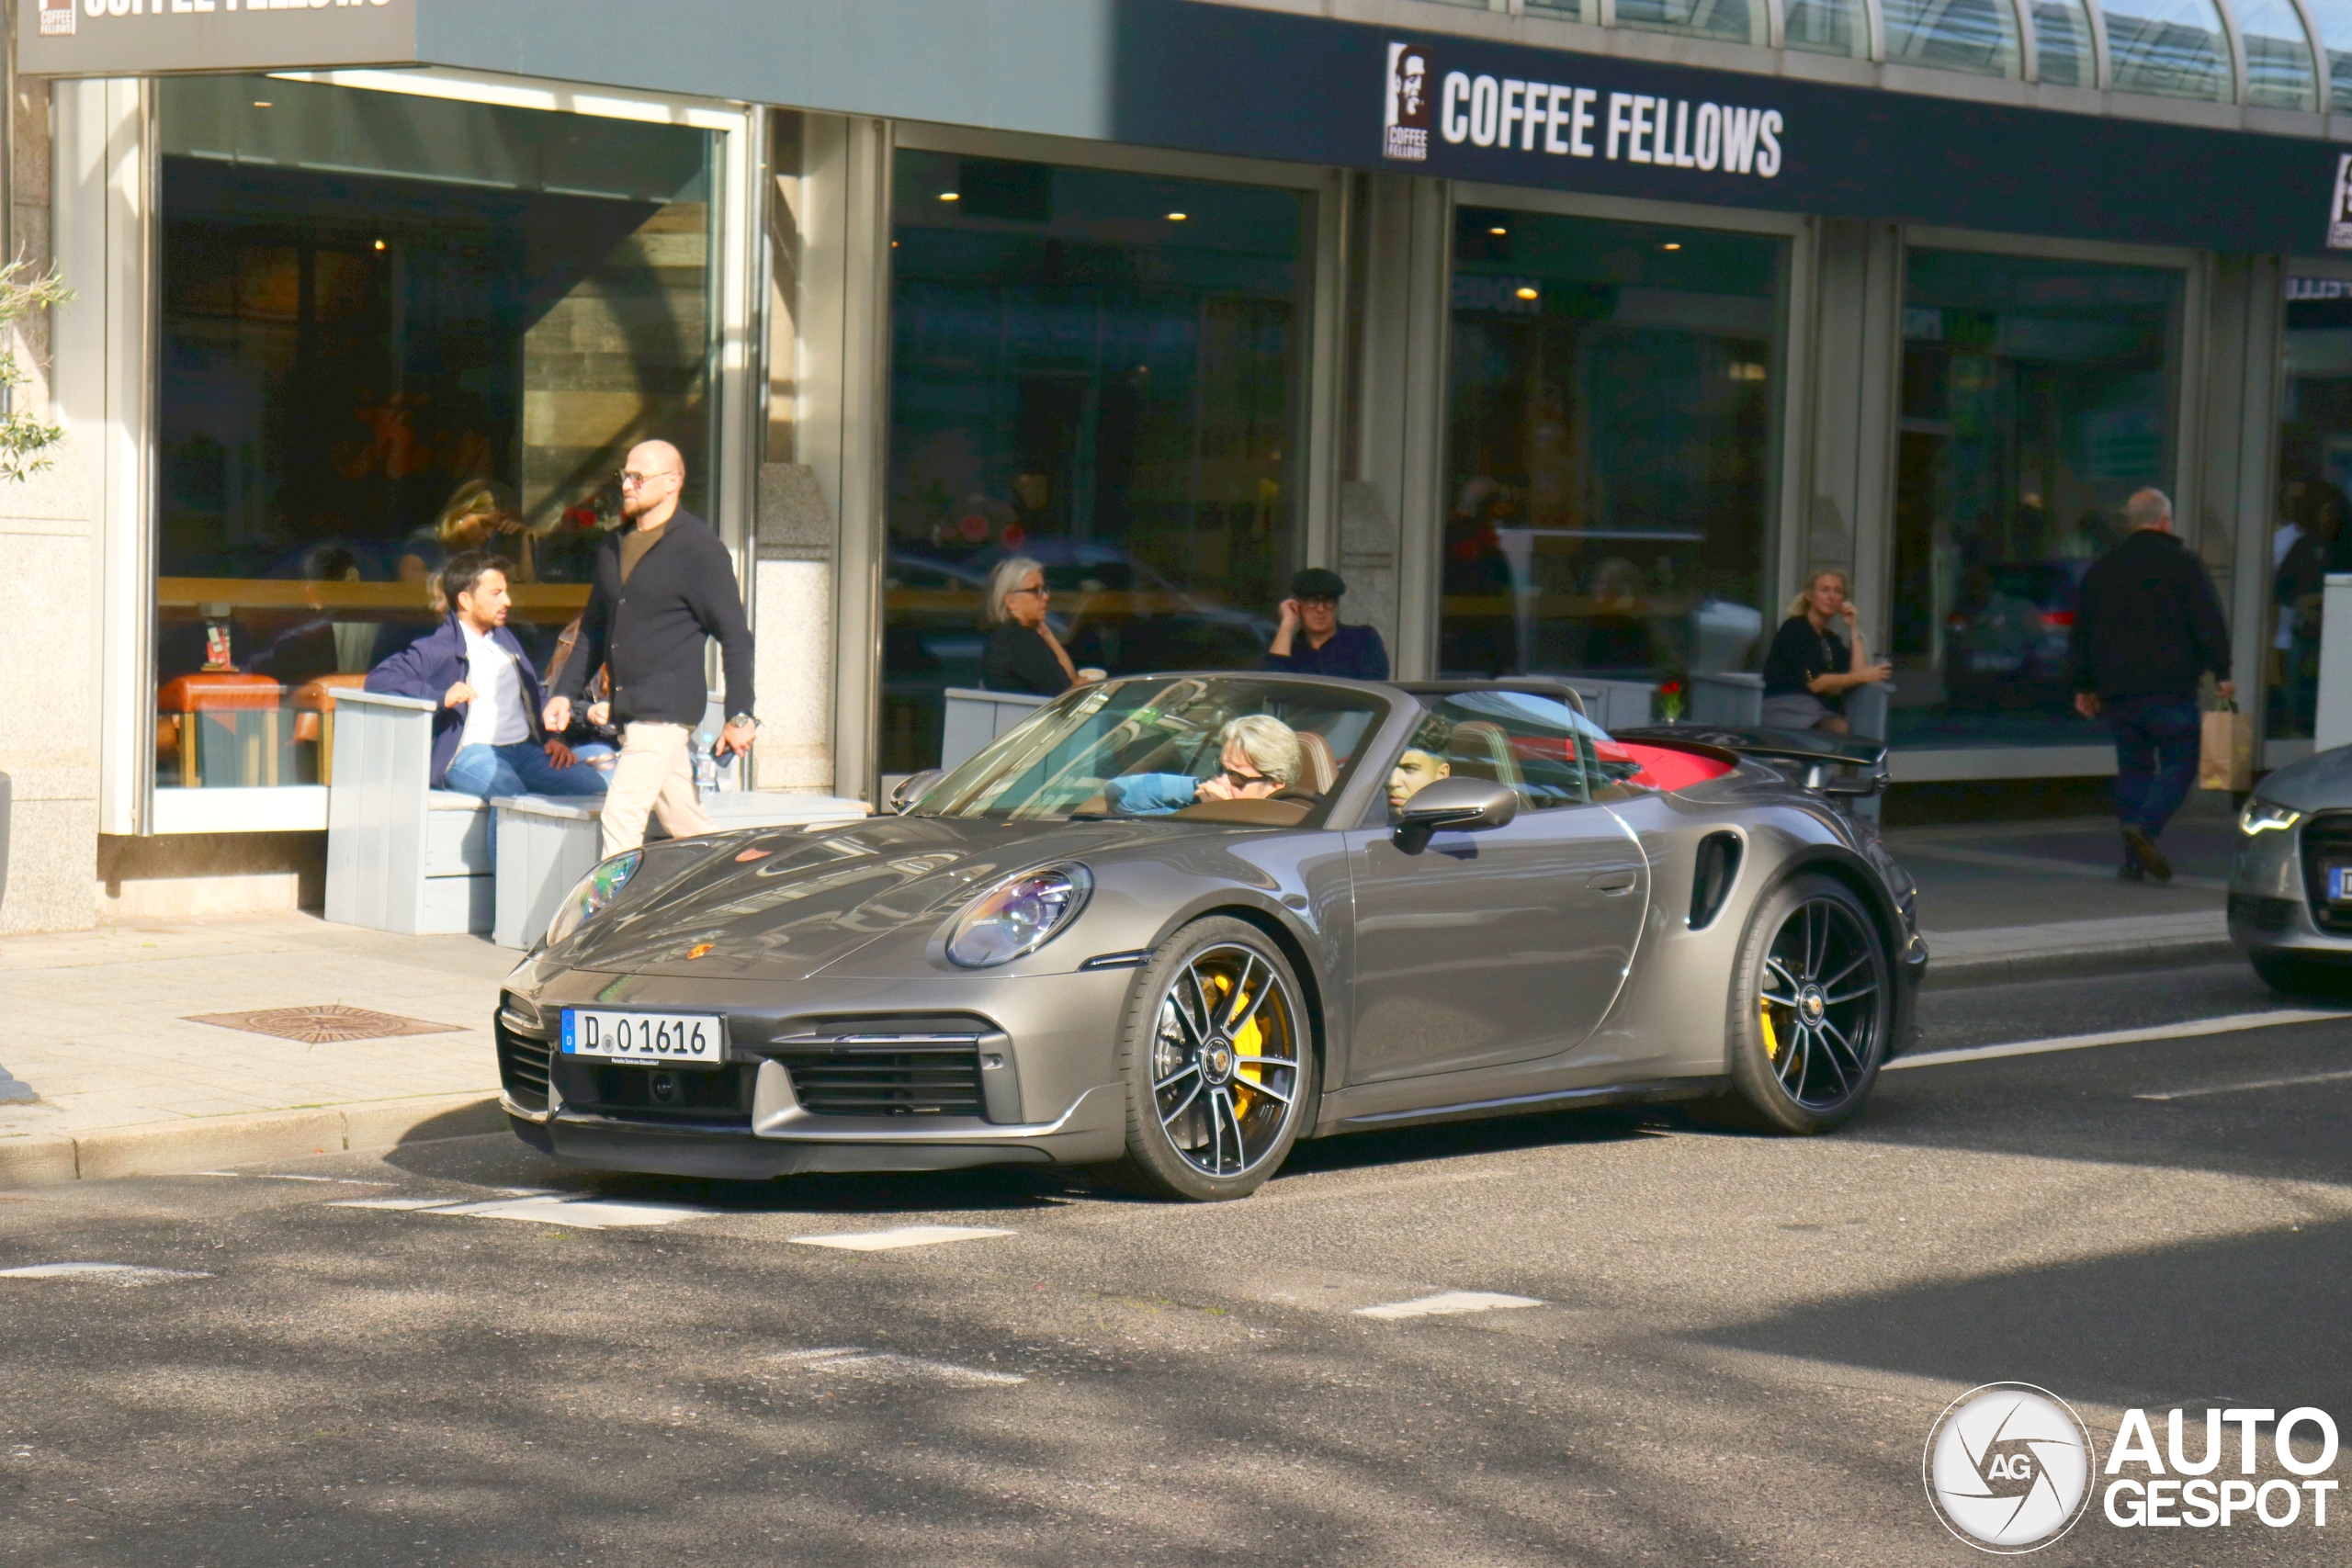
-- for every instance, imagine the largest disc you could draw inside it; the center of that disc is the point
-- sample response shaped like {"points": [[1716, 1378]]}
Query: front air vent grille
{"points": [[2262, 914], [522, 1067], [892, 1073], [2327, 840]]}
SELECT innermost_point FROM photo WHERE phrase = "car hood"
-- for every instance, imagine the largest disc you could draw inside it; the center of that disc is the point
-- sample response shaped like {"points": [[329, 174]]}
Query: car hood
{"points": [[783, 904], [2315, 784]]}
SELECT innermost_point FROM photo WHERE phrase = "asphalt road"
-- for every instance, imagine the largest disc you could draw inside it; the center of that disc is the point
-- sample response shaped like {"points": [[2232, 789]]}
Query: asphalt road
{"points": [[1740, 1344]]}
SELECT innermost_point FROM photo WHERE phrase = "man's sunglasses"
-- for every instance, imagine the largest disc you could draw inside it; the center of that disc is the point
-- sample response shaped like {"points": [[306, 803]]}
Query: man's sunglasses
{"points": [[626, 479]]}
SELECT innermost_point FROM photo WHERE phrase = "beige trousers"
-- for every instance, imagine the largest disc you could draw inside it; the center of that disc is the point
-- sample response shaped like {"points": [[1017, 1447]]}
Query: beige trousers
{"points": [[655, 773]]}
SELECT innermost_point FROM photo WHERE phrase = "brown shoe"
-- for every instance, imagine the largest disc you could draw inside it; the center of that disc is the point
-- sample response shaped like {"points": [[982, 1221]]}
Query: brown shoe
{"points": [[2143, 854]]}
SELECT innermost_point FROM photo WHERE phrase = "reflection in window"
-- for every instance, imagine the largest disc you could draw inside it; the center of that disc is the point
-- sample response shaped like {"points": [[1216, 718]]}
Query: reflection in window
{"points": [[1979, 35], [2279, 72], [2173, 48], [1828, 27], [374, 305], [1101, 372], [2037, 396], [1610, 448], [1740, 22], [1585, 11], [2312, 534], [2333, 18], [2063, 52]]}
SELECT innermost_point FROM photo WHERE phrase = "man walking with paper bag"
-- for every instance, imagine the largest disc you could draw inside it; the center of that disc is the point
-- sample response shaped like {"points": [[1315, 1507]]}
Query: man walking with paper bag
{"points": [[2148, 626]]}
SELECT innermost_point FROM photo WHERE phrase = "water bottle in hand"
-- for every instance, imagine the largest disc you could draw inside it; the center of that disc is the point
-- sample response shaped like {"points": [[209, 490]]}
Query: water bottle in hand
{"points": [[706, 766]]}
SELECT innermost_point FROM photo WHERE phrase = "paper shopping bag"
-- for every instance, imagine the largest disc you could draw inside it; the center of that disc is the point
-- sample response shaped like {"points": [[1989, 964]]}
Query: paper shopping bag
{"points": [[2225, 758]]}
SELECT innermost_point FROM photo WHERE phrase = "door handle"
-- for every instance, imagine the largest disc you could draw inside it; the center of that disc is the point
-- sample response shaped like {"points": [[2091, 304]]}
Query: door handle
{"points": [[1612, 882]]}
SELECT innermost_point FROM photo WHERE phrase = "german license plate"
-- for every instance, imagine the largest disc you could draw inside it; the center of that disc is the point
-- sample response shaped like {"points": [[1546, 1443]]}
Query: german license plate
{"points": [[2340, 884], [669, 1038]]}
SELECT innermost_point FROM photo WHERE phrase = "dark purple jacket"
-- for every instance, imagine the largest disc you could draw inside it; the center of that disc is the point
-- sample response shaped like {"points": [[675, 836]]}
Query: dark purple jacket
{"points": [[431, 665]]}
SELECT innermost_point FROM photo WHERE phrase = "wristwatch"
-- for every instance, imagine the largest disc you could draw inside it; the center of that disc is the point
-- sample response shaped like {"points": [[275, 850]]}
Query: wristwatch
{"points": [[742, 718]]}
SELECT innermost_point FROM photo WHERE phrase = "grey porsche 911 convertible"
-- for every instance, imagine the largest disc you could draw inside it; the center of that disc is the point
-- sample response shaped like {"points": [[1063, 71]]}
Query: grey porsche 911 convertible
{"points": [[1174, 923]]}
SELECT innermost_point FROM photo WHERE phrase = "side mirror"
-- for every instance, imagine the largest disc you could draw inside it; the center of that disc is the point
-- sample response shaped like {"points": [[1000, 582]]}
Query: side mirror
{"points": [[913, 788], [1463, 804]]}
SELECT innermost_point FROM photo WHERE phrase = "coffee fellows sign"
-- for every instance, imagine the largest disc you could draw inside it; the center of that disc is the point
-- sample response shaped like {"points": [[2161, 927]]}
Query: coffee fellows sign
{"points": [[132, 37]]}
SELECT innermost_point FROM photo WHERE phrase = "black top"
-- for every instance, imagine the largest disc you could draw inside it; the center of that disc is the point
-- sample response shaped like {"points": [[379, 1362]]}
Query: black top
{"points": [[651, 629], [2148, 623], [1355, 653], [1020, 659], [1799, 653]]}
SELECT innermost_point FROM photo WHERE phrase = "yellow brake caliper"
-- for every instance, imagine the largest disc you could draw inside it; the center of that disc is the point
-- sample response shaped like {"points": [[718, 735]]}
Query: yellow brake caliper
{"points": [[1771, 1041]]}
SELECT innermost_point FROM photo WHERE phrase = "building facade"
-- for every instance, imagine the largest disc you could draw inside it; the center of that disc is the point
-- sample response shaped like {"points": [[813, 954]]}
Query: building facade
{"points": [[1576, 336]]}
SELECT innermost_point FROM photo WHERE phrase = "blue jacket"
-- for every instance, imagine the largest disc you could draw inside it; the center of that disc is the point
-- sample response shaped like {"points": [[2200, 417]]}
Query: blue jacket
{"points": [[1354, 653], [431, 665], [1151, 795]]}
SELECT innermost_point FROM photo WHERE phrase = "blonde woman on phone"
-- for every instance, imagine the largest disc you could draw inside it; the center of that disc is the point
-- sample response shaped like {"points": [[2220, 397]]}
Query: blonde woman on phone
{"points": [[1817, 657]]}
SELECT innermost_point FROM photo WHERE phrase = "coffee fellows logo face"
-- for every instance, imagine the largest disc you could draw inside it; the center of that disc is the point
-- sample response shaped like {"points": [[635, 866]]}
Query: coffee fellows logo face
{"points": [[2339, 206], [57, 18], [2008, 1468], [1405, 127]]}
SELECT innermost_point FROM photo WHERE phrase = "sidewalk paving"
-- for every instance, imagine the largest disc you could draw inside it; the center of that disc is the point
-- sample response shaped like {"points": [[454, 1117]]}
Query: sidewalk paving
{"points": [[103, 1023]]}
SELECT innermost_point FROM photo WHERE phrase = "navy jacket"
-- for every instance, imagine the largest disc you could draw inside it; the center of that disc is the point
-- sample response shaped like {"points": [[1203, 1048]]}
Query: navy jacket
{"points": [[431, 665], [649, 631], [1354, 653], [2147, 623]]}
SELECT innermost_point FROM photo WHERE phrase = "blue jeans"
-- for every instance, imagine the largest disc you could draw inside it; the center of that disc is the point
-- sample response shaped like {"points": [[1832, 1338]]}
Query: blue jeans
{"points": [[520, 769], [2156, 740]]}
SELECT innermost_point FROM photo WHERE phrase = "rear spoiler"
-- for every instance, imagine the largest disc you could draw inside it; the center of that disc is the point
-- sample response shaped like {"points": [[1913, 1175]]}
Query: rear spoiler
{"points": [[1839, 765]]}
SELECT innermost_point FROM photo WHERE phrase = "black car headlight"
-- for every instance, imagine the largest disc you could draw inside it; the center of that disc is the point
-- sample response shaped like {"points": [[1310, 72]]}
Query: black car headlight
{"points": [[595, 890], [1018, 915]]}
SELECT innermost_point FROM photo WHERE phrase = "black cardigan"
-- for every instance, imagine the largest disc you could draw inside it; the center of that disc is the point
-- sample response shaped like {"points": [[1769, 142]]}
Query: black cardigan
{"points": [[651, 629], [1018, 660]]}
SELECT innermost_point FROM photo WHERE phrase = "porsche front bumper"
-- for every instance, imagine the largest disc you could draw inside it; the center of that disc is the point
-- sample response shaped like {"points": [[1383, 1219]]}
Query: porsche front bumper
{"points": [[928, 1074]]}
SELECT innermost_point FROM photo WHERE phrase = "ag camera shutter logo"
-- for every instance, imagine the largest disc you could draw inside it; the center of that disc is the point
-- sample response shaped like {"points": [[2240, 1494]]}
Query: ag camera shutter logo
{"points": [[2008, 1468]]}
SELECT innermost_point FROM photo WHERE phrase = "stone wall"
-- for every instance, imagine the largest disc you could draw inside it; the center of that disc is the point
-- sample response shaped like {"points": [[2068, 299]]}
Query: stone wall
{"points": [[48, 596]]}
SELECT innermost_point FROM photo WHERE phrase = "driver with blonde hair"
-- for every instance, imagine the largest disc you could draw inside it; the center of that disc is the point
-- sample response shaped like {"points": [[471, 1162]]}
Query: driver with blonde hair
{"points": [[1257, 756]]}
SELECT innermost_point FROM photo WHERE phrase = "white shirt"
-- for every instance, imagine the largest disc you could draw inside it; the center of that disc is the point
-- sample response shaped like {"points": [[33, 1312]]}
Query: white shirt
{"points": [[495, 717]]}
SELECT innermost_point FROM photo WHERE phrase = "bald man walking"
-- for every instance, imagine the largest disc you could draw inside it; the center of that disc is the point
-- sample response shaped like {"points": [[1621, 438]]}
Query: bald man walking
{"points": [[2148, 626], [662, 585]]}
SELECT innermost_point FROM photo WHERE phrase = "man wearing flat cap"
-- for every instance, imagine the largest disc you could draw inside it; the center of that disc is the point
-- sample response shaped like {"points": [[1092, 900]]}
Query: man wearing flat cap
{"points": [[1311, 642]]}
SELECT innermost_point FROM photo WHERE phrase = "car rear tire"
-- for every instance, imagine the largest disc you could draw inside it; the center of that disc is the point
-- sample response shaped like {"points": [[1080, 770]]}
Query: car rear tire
{"points": [[1812, 1011], [2290, 975], [1219, 1065]]}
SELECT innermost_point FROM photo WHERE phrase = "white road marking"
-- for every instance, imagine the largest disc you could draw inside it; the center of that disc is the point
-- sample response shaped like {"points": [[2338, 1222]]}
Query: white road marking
{"points": [[112, 1273], [901, 1235], [544, 1208], [2190, 1030], [1446, 1303], [2242, 1088], [882, 1364], [279, 1176]]}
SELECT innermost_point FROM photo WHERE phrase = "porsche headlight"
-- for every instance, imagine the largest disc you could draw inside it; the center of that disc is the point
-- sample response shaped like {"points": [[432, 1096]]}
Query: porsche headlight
{"points": [[595, 890], [1017, 915], [2263, 817]]}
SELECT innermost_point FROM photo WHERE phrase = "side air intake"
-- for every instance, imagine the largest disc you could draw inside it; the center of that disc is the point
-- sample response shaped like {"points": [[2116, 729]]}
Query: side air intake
{"points": [[1711, 883]]}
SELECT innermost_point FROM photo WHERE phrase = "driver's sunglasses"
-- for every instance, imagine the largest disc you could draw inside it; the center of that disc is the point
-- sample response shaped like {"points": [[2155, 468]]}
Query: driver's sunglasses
{"points": [[1239, 779]]}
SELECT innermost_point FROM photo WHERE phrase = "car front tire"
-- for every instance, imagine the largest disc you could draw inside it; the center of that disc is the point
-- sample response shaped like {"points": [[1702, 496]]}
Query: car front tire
{"points": [[1219, 1067], [1813, 1011]]}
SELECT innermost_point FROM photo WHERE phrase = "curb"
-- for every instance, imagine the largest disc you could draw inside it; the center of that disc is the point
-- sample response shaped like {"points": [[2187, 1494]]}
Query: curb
{"points": [[2089, 962], [175, 1148]]}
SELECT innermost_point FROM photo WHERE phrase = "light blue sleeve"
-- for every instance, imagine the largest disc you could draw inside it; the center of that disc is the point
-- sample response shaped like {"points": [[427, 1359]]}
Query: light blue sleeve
{"points": [[1151, 795]]}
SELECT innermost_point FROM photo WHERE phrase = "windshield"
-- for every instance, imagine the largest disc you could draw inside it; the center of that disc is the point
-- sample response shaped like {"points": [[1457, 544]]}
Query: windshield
{"points": [[1260, 751]]}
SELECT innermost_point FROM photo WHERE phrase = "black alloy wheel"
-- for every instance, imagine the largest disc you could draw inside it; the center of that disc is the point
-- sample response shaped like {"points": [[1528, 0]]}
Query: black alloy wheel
{"points": [[1812, 1011], [1219, 1069]]}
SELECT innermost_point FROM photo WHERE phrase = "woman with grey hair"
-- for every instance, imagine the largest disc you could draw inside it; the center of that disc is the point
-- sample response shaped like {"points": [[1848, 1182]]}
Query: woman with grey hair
{"points": [[1257, 756], [1022, 654]]}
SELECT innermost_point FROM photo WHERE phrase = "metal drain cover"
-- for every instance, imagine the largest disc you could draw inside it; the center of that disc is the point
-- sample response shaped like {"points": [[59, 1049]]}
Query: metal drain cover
{"points": [[329, 1025]]}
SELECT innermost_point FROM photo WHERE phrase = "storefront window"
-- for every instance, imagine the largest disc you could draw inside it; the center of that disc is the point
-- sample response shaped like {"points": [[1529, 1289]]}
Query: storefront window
{"points": [[1978, 36], [2037, 396], [2278, 56], [2311, 536], [1828, 27], [2333, 19], [1616, 404], [1101, 372], [1736, 21], [2173, 48], [376, 308], [2062, 33]]}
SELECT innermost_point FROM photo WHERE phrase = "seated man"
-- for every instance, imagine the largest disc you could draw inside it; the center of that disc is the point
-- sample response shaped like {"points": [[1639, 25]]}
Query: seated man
{"points": [[1422, 763], [1259, 756], [487, 738]]}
